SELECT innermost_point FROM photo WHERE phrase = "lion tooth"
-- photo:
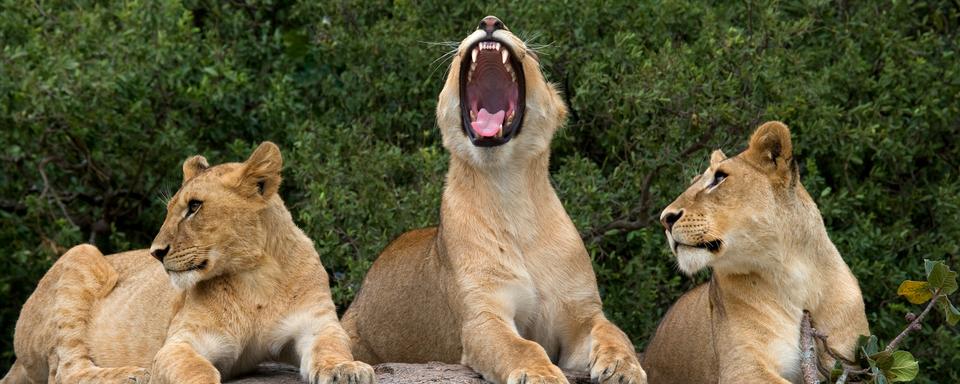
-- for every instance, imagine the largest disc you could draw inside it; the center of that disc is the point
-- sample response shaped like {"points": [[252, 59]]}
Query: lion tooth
{"points": [[513, 76], [474, 54], [473, 115], [504, 54], [497, 46]]}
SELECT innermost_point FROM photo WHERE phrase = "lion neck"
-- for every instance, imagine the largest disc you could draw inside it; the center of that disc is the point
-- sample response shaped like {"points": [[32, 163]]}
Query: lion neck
{"points": [[799, 264], [285, 252], [509, 201]]}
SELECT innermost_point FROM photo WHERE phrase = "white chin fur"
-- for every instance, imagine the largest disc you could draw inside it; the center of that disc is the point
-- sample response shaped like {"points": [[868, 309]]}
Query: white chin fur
{"points": [[692, 260], [184, 280]]}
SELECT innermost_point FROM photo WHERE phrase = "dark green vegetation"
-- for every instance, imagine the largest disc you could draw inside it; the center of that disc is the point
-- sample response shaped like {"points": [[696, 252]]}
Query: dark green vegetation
{"points": [[100, 102]]}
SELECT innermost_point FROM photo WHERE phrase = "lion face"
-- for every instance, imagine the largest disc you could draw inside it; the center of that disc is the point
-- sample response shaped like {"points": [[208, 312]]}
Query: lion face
{"points": [[496, 105], [737, 212], [214, 223]]}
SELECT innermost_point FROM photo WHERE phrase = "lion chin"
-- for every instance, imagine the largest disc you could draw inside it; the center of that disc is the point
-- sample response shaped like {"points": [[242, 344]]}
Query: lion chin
{"points": [[691, 260]]}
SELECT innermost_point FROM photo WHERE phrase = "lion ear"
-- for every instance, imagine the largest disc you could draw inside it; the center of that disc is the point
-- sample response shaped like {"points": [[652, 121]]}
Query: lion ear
{"points": [[261, 172], [771, 149], [716, 157], [193, 166]]}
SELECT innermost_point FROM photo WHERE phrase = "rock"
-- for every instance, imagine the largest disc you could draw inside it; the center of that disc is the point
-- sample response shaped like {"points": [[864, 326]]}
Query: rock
{"points": [[390, 373]]}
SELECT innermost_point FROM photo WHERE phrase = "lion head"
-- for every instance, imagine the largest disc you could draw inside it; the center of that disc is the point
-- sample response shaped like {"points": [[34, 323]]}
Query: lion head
{"points": [[216, 222], [496, 104], [743, 213]]}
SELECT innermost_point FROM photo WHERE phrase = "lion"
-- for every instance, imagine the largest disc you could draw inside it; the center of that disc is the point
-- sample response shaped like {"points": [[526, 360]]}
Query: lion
{"points": [[752, 222], [237, 283], [504, 284]]}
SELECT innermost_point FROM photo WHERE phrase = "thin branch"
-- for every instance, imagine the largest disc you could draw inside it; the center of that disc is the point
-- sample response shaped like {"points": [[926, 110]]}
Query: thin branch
{"points": [[915, 324], [48, 188]]}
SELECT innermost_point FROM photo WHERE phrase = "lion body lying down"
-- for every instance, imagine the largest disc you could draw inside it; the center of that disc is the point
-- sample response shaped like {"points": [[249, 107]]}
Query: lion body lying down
{"points": [[249, 287], [750, 220]]}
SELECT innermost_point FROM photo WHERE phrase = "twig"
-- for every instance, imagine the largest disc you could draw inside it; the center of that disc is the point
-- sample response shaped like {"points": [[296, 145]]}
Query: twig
{"points": [[915, 324], [47, 188], [808, 352]]}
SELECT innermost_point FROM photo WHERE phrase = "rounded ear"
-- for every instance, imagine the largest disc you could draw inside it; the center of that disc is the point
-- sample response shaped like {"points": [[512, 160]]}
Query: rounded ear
{"points": [[771, 149], [716, 157], [261, 172], [193, 166]]}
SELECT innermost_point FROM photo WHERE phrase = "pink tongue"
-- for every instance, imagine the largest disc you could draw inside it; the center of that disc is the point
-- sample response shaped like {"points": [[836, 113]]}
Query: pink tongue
{"points": [[488, 124]]}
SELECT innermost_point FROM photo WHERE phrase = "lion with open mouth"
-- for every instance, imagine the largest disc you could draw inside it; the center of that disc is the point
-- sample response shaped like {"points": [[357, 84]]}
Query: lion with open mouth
{"points": [[504, 284]]}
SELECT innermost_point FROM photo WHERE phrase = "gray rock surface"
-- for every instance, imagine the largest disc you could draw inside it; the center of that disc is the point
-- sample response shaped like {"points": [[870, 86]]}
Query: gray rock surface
{"points": [[391, 373]]}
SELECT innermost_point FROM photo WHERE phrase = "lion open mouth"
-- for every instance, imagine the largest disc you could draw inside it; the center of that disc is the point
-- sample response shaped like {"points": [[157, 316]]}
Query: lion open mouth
{"points": [[491, 93]]}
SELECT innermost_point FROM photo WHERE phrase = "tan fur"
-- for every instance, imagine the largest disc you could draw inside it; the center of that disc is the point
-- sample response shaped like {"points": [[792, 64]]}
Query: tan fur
{"points": [[775, 261], [504, 284], [260, 293]]}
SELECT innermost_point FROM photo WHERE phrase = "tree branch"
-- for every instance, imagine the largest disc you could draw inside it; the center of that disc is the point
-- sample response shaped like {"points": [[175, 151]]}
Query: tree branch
{"points": [[808, 351]]}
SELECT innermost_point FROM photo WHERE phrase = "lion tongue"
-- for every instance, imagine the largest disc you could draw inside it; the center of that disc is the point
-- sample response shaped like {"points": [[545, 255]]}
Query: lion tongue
{"points": [[488, 124]]}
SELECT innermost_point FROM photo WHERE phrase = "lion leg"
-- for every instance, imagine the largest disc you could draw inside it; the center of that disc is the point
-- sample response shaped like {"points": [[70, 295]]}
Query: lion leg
{"points": [[493, 348], [16, 375], [178, 362], [613, 358], [324, 350], [85, 277]]}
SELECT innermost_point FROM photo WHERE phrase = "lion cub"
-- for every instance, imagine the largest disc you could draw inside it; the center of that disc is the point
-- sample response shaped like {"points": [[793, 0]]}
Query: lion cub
{"points": [[504, 285], [247, 286], [750, 220]]}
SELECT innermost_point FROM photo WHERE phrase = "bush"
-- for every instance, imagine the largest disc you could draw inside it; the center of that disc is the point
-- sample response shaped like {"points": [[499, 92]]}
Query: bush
{"points": [[101, 101]]}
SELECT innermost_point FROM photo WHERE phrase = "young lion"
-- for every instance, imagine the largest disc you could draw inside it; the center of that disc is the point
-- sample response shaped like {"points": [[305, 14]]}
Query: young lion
{"points": [[750, 219], [504, 284], [250, 287]]}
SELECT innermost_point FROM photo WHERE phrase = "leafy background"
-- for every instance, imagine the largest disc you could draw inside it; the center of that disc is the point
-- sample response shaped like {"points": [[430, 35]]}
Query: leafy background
{"points": [[100, 102]]}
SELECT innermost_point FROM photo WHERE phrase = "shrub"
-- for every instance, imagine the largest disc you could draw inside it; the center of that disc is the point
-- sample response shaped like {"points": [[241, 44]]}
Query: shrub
{"points": [[101, 101]]}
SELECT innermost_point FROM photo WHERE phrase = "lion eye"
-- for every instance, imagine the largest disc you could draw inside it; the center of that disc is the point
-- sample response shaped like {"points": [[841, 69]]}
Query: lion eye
{"points": [[718, 176], [193, 206]]}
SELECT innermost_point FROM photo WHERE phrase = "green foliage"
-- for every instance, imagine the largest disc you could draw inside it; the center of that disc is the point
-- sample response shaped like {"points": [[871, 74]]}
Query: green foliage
{"points": [[891, 364], [101, 101]]}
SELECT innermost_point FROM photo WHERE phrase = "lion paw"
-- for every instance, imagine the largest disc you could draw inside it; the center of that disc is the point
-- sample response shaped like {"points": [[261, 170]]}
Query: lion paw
{"points": [[548, 374], [352, 372], [120, 375], [616, 368]]}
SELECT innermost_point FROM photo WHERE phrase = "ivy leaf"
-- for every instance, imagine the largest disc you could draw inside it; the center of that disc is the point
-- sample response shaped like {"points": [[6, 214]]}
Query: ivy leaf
{"points": [[939, 276], [917, 292], [949, 311]]}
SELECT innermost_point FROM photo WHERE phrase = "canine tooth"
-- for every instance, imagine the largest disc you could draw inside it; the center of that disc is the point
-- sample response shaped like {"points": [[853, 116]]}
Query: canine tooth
{"points": [[474, 54], [504, 54]]}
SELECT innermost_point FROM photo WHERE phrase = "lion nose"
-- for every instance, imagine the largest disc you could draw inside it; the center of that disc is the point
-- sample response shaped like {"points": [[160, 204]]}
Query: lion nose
{"points": [[669, 218], [490, 24], [159, 253]]}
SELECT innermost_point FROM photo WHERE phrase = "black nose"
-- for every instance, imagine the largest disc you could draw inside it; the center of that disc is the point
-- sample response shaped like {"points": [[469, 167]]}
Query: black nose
{"points": [[160, 253], [490, 24], [669, 218]]}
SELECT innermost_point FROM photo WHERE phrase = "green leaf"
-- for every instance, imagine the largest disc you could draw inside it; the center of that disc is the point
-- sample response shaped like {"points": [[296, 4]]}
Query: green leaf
{"points": [[917, 292], [903, 367], [949, 311], [941, 277], [870, 346]]}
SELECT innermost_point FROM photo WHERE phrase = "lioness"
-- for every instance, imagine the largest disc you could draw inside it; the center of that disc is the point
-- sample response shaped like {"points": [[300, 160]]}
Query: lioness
{"points": [[751, 221], [249, 287], [504, 285]]}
